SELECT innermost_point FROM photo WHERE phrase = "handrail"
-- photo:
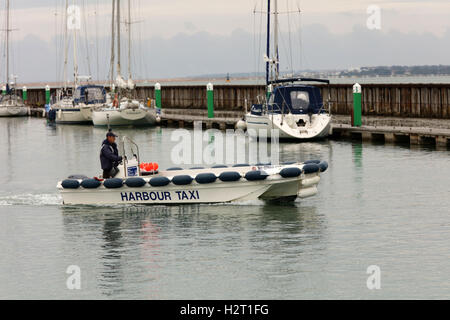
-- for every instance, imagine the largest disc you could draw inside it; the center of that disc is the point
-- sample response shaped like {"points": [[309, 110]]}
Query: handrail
{"points": [[137, 155]]}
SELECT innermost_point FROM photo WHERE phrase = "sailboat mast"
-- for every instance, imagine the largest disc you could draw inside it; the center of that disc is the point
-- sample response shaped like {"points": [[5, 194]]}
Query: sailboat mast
{"points": [[129, 39], [113, 38], [118, 38], [275, 37], [66, 47], [268, 42], [75, 62], [7, 43]]}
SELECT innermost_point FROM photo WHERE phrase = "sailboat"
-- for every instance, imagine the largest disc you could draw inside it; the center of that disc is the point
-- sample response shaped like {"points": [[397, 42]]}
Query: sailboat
{"points": [[121, 109], [74, 105], [10, 103], [296, 110]]}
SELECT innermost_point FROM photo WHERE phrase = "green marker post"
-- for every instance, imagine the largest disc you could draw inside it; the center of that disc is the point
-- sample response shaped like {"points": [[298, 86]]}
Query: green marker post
{"points": [[158, 95], [24, 94], [269, 91], [47, 94], [210, 99], [357, 110]]}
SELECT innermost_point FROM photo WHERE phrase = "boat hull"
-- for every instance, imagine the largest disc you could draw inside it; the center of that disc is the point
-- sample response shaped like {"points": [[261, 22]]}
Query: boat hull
{"points": [[71, 116], [19, 111], [316, 127], [125, 117]]}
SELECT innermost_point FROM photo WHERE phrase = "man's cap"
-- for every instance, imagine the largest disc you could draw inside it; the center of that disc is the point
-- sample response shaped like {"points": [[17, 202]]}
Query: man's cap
{"points": [[111, 134]]}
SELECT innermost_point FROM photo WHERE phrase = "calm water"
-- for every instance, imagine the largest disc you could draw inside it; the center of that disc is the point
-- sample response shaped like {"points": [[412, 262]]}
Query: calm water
{"points": [[377, 205]]}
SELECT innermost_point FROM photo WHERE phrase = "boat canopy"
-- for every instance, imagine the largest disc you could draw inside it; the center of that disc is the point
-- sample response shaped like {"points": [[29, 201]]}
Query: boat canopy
{"points": [[90, 94], [297, 99]]}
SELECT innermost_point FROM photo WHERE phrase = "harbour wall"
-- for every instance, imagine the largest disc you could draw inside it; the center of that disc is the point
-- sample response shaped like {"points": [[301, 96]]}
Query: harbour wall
{"points": [[393, 100]]}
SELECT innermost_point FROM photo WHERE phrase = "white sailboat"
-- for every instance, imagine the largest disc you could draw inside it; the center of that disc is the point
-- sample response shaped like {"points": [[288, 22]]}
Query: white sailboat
{"points": [[74, 105], [11, 105], [297, 111], [122, 109]]}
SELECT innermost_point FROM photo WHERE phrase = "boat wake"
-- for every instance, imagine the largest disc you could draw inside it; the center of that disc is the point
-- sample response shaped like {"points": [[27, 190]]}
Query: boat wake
{"points": [[30, 199]]}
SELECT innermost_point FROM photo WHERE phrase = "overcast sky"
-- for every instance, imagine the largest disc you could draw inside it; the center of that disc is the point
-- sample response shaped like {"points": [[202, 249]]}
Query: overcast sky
{"points": [[177, 38]]}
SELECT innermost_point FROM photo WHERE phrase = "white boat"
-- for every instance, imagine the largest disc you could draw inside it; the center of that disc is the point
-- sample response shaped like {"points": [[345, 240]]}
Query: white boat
{"points": [[77, 108], [295, 111], [129, 112], [122, 109], [11, 105], [218, 184]]}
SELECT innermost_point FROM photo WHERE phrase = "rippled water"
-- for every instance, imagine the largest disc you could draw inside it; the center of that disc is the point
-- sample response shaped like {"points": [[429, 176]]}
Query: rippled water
{"points": [[377, 205]]}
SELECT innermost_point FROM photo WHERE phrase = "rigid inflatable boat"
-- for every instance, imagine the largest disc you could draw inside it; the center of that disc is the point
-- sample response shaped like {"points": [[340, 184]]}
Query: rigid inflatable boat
{"points": [[241, 182]]}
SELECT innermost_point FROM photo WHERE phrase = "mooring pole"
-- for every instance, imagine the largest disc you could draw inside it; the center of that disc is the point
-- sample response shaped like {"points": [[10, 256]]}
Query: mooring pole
{"points": [[357, 110], [210, 99]]}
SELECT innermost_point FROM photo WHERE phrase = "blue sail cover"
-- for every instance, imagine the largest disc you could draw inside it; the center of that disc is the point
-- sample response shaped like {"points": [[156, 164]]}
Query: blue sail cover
{"points": [[90, 94], [298, 99]]}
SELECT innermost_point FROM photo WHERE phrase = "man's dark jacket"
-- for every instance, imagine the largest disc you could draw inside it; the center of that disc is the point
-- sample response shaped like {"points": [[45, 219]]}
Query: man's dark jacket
{"points": [[109, 155]]}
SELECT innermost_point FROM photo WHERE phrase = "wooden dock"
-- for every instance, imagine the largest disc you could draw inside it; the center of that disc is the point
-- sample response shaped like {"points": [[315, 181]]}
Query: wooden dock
{"points": [[391, 134]]}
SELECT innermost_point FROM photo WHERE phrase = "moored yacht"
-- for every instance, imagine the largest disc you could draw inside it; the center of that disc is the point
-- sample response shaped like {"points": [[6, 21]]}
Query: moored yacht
{"points": [[11, 105], [294, 110]]}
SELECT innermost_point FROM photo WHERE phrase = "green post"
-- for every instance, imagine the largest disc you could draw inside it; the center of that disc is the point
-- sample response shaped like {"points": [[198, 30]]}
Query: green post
{"points": [[4, 91], [210, 99], [158, 95], [24, 94], [47, 94], [357, 105], [269, 91]]}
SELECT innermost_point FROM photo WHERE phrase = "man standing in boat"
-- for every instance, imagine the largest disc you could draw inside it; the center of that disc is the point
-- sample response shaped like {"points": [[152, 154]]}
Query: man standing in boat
{"points": [[109, 156]]}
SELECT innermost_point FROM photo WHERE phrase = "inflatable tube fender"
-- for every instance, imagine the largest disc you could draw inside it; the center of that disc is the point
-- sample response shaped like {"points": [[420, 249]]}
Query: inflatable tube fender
{"points": [[174, 169], [206, 178], [70, 184], [310, 168], [256, 175], [78, 177], [196, 168], [229, 176], [217, 166], [241, 165], [135, 182], [113, 183], [292, 172], [323, 166], [312, 161], [90, 183], [159, 181], [182, 180]]}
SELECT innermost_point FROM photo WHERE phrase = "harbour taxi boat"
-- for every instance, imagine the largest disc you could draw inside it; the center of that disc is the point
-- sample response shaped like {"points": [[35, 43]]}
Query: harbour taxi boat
{"points": [[219, 184]]}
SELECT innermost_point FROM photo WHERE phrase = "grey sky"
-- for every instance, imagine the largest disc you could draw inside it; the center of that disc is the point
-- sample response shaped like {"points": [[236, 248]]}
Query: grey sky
{"points": [[175, 38]]}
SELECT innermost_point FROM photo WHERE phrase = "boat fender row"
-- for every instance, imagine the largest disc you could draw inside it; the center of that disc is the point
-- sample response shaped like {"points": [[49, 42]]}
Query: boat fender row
{"points": [[180, 180]]}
